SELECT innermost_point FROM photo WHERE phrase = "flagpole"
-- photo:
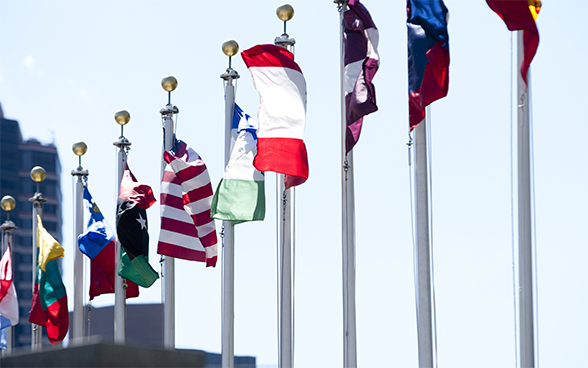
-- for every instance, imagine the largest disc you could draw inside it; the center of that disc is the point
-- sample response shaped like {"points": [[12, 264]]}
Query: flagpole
{"points": [[423, 272], [347, 221], [79, 149], [230, 48], [169, 84], [38, 175], [285, 12], [122, 117], [526, 318], [8, 204]]}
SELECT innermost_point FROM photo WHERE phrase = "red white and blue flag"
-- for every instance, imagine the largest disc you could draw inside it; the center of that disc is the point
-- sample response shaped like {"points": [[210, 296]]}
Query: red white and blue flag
{"points": [[187, 230], [361, 64], [281, 114], [98, 244], [428, 56]]}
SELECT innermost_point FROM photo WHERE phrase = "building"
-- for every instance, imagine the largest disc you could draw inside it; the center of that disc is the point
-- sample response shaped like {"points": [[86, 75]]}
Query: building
{"points": [[17, 158]]}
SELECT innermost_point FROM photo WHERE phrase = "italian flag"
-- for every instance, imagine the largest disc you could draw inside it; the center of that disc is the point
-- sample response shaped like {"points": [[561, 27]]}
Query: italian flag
{"points": [[240, 195]]}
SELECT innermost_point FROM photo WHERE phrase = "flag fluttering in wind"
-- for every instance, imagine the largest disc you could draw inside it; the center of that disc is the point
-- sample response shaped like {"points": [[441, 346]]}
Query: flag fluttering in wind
{"points": [[240, 195], [8, 301], [428, 56], [49, 306], [98, 243], [131, 227], [187, 230], [361, 64], [281, 114], [521, 15]]}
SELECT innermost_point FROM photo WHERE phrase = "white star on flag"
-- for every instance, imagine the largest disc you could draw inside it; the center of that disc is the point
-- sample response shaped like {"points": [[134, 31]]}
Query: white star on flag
{"points": [[142, 221]]}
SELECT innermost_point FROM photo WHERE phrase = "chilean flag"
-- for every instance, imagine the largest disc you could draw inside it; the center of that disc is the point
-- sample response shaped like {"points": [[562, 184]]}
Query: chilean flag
{"points": [[98, 243], [428, 56], [521, 15], [281, 114]]}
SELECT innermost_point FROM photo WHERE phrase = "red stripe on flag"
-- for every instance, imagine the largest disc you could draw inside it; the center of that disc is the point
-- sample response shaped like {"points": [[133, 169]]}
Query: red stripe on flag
{"points": [[170, 177], [209, 239], [191, 171], [171, 201], [57, 320], [282, 155], [211, 262], [197, 194], [176, 226], [269, 56], [177, 251], [202, 218]]}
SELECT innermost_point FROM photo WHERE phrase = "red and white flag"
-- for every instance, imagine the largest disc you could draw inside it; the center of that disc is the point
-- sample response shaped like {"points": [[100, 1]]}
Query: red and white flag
{"points": [[281, 114], [187, 231]]}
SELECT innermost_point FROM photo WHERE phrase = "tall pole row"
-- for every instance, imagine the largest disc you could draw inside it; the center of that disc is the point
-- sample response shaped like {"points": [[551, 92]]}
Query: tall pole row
{"points": [[347, 221], [38, 175], [526, 332], [169, 84], [122, 117], [230, 48], [285, 12], [79, 149]]}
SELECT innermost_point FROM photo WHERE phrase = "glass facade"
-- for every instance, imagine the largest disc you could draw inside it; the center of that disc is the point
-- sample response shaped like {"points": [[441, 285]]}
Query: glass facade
{"points": [[18, 157]]}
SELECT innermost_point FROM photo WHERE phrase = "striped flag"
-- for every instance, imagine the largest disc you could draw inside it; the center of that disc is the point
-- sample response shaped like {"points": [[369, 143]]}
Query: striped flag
{"points": [[521, 15], [240, 195], [361, 64], [8, 301], [428, 56], [281, 114], [187, 230]]}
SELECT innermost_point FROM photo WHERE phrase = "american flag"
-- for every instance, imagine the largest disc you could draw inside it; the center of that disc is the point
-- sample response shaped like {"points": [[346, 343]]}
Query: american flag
{"points": [[187, 231]]}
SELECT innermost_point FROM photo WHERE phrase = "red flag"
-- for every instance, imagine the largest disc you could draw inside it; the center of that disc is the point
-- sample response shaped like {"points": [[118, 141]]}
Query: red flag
{"points": [[521, 15]]}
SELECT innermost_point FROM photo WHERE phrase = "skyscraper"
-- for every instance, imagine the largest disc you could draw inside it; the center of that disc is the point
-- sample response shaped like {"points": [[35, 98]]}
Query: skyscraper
{"points": [[17, 158]]}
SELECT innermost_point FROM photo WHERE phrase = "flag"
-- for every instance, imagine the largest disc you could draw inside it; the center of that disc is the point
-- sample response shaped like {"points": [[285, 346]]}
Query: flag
{"points": [[98, 243], [187, 230], [49, 306], [281, 114], [521, 15], [240, 195], [131, 227], [8, 301], [361, 64], [428, 56]]}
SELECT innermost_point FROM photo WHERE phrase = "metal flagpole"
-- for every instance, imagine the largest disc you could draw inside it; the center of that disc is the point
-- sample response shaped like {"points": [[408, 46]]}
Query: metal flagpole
{"points": [[79, 149], [169, 84], [230, 48], [423, 272], [526, 332], [285, 12], [8, 204], [38, 175], [122, 117], [348, 222]]}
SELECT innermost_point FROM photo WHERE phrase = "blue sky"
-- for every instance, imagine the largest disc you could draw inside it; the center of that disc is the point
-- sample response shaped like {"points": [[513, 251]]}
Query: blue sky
{"points": [[67, 66]]}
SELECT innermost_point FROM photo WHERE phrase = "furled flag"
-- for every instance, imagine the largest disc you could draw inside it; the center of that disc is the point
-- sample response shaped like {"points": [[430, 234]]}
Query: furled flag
{"points": [[8, 300], [49, 307], [281, 114], [361, 64], [521, 15], [98, 243], [187, 230], [428, 56], [240, 195], [131, 227]]}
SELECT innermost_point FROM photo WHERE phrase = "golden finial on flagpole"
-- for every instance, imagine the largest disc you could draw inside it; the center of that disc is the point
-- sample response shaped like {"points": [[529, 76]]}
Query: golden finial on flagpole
{"points": [[38, 174], [79, 148], [122, 118], [8, 203], [285, 12], [169, 83], [230, 48]]}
